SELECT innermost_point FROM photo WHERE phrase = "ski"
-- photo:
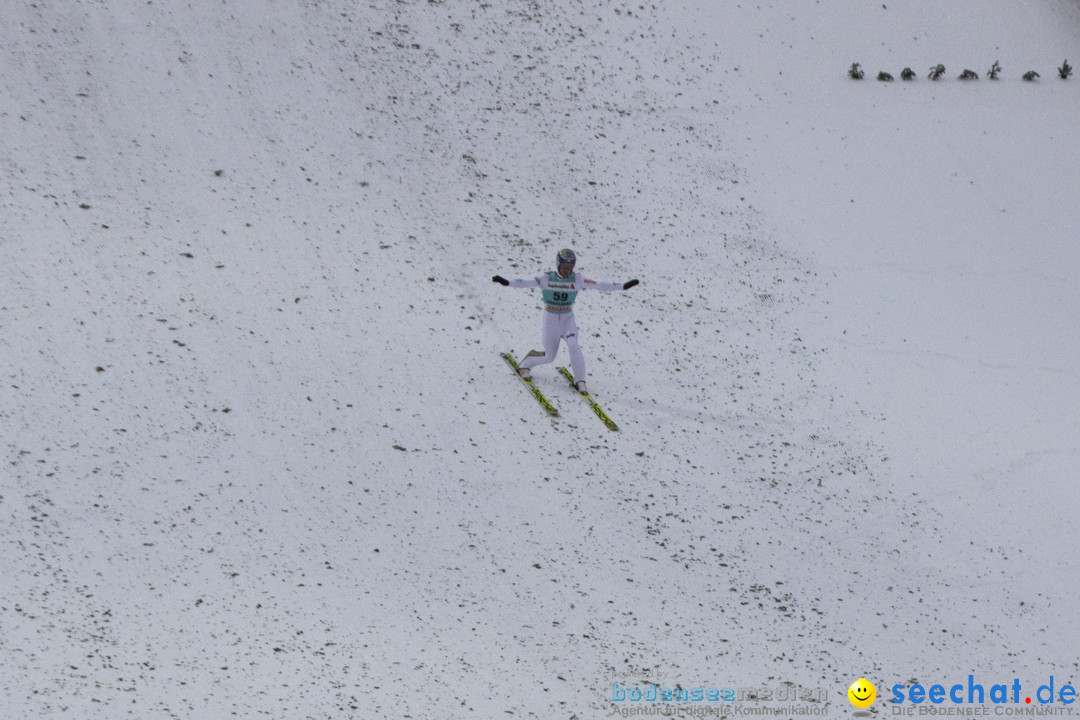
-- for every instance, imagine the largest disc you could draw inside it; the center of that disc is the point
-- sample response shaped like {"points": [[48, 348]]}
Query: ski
{"points": [[589, 399], [544, 402]]}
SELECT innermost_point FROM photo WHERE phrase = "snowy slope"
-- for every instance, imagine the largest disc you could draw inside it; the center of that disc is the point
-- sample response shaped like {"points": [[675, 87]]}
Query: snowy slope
{"points": [[262, 456]]}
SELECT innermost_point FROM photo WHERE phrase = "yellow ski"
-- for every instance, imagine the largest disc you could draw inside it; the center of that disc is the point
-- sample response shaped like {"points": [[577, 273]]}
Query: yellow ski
{"points": [[589, 399], [544, 402]]}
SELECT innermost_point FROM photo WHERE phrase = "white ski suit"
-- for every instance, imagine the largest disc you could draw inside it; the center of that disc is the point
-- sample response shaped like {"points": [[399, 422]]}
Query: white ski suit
{"points": [[559, 296]]}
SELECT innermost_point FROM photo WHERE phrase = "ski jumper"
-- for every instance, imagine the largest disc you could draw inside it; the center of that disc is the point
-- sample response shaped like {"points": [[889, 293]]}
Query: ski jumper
{"points": [[559, 295]]}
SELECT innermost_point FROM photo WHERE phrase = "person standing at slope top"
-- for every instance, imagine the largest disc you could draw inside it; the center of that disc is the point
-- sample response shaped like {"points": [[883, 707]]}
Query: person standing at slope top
{"points": [[560, 288]]}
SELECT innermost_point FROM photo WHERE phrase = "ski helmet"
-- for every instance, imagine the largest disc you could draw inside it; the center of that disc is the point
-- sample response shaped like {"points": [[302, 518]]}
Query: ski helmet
{"points": [[566, 255]]}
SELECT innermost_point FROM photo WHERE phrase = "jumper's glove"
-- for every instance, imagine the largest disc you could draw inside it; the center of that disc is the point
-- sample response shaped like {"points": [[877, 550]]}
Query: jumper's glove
{"points": [[629, 284], [500, 279]]}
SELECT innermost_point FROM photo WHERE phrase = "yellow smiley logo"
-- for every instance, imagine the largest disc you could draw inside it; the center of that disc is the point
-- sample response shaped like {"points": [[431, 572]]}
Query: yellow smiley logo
{"points": [[862, 693]]}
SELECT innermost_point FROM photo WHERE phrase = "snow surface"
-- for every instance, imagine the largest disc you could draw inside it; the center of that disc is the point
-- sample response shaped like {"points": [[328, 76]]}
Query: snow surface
{"points": [[262, 458]]}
